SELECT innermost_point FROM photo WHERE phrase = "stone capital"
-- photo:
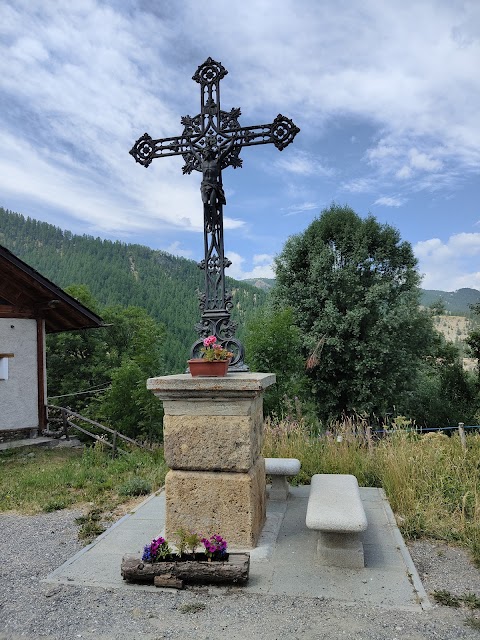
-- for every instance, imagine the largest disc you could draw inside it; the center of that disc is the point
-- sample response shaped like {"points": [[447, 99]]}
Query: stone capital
{"points": [[233, 385]]}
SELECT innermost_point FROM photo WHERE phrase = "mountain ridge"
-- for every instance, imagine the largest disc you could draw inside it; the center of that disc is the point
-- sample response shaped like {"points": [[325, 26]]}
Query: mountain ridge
{"points": [[119, 273], [455, 302]]}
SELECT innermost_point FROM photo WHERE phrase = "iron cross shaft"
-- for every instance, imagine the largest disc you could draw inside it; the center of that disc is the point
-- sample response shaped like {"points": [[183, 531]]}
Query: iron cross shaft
{"points": [[210, 142]]}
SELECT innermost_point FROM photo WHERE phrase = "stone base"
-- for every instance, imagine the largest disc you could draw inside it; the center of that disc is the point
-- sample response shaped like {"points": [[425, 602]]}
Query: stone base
{"points": [[340, 550], [230, 504], [279, 489], [213, 436]]}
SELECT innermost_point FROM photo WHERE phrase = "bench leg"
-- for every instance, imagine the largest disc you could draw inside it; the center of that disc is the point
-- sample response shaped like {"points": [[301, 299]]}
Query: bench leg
{"points": [[279, 488], [340, 550]]}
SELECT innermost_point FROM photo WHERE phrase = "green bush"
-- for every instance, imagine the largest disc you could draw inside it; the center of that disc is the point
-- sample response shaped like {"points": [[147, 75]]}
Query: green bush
{"points": [[135, 486]]}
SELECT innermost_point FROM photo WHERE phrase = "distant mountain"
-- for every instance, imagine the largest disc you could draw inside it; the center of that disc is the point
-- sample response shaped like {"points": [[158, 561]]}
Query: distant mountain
{"points": [[261, 283], [456, 302], [125, 274]]}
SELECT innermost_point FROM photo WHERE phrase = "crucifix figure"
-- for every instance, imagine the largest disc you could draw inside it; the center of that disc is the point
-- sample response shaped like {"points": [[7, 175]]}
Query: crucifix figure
{"points": [[210, 142]]}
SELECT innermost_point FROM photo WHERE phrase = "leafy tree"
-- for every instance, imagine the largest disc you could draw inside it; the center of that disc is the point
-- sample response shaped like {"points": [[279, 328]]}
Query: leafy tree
{"points": [[443, 393], [473, 339], [76, 360], [437, 307], [119, 358], [129, 406], [353, 287], [273, 344], [135, 342], [473, 344]]}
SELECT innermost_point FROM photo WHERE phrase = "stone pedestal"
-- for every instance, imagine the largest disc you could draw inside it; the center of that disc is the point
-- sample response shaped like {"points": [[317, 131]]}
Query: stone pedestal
{"points": [[340, 550], [213, 431]]}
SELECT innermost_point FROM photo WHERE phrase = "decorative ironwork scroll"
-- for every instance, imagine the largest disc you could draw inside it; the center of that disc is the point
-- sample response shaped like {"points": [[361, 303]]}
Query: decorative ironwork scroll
{"points": [[210, 142]]}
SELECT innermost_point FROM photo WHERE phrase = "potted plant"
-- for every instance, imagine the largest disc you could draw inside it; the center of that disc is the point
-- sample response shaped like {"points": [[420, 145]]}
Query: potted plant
{"points": [[214, 361]]}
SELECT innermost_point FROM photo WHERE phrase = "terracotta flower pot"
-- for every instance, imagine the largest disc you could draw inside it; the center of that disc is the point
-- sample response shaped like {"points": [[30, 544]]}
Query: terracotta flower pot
{"points": [[212, 369]]}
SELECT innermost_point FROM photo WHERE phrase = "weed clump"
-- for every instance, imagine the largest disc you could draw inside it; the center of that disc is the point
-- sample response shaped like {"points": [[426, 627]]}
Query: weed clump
{"points": [[135, 486]]}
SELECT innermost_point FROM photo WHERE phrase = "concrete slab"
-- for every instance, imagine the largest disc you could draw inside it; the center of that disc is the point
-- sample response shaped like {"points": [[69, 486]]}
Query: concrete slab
{"points": [[283, 563]]}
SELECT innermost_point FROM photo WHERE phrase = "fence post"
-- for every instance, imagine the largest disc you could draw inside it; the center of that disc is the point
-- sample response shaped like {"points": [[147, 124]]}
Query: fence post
{"points": [[114, 447], [65, 424], [461, 432]]}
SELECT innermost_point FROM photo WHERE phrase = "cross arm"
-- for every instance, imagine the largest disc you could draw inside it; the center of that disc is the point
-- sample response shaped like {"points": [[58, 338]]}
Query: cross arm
{"points": [[280, 132], [146, 149]]}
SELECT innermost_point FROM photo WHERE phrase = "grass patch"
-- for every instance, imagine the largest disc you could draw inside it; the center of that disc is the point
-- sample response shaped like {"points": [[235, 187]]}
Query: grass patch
{"points": [[433, 485], [136, 486], [469, 600], [90, 525], [446, 598], [473, 623], [54, 479]]}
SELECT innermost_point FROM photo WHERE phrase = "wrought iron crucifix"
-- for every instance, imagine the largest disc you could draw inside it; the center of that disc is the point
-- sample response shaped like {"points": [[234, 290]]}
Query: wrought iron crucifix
{"points": [[210, 142]]}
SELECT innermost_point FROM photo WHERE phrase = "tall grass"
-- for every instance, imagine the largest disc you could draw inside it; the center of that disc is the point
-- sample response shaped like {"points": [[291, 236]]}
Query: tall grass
{"points": [[433, 485], [46, 480]]}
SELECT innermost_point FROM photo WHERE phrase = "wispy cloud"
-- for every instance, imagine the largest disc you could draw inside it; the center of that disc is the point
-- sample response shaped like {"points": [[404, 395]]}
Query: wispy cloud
{"points": [[390, 201], [359, 185], [304, 207], [304, 164]]}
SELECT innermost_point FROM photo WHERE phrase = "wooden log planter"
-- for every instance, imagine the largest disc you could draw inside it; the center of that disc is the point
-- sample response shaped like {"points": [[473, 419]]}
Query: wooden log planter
{"points": [[173, 573]]}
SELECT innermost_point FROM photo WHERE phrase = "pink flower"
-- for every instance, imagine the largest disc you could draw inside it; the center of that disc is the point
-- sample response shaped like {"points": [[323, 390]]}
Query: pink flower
{"points": [[208, 342]]}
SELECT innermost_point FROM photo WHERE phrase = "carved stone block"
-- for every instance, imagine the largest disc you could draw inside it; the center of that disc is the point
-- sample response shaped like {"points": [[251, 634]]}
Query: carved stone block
{"points": [[230, 504]]}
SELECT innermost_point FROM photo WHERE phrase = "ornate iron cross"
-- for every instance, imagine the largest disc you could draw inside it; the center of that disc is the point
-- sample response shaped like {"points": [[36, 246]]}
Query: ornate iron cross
{"points": [[210, 142]]}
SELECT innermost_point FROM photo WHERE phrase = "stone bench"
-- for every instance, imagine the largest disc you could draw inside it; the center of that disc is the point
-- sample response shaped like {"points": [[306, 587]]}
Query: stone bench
{"points": [[279, 469], [335, 510]]}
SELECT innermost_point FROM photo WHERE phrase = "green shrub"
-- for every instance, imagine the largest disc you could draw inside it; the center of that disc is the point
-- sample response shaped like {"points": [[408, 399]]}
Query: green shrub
{"points": [[135, 486]]}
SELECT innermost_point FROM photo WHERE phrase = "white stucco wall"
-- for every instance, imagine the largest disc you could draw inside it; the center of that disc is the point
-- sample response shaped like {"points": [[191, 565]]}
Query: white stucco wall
{"points": [[18, 394]]}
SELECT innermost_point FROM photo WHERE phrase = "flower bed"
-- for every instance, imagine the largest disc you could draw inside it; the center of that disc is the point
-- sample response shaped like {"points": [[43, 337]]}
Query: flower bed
{"points": [[175, 571], [158, 565]]}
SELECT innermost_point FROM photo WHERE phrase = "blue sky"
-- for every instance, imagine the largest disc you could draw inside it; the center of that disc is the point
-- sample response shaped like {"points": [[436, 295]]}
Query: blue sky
{"points": [[386, 94]]}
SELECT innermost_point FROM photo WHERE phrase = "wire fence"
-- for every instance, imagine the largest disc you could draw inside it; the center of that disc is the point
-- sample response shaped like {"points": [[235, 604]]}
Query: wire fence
{"points": [[429, 429]]}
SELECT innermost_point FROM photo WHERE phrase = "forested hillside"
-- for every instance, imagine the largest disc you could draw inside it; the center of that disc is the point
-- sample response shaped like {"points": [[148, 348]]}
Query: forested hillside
{"points": [[454, 302], [125, 274]]}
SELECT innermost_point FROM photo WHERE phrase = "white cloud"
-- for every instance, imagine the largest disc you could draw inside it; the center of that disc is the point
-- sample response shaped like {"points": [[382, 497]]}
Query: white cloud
{"points": [[448, 266], [359, 185], [301, 208], [417, 161], [230, 223], [237, 271], [390, 201], [404, 172], [261, 258], [420, 160], [175, 249], [302, 163], [467, 244]]}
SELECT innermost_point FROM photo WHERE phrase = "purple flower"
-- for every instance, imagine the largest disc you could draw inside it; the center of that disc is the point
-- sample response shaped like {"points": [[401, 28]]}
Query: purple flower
{"points": [[216, 546]]}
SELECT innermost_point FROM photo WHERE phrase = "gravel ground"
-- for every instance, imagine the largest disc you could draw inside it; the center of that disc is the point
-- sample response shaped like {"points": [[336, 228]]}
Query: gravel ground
{"points": [[32, 546]]}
